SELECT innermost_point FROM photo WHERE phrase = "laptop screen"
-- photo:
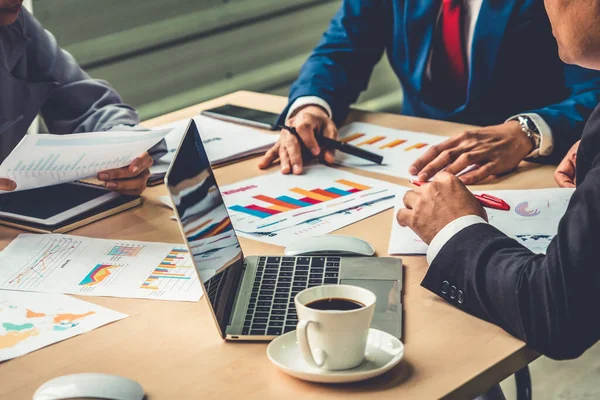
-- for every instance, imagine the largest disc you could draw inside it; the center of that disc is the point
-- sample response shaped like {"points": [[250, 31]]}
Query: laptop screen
{"points": [[205, 224]]}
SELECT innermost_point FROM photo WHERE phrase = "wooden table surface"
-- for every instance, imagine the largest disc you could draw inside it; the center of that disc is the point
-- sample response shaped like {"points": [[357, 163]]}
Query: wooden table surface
{"points": [[173, 348]]}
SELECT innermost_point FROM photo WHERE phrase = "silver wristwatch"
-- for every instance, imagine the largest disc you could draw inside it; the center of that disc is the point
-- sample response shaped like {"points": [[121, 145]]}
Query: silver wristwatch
{"points": [[531, 131]]}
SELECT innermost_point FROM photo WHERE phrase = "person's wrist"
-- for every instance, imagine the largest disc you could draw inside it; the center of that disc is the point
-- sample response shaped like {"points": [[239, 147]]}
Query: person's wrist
{"points": [[525, 146], [313, 109]]}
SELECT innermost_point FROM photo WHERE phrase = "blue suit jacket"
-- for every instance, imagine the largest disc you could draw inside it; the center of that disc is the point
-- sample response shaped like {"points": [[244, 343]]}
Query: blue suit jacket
{"points": [[514, 68]]}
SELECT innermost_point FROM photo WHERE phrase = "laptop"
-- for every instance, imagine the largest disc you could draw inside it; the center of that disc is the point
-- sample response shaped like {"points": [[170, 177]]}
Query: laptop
{"points": [[252, 298]]}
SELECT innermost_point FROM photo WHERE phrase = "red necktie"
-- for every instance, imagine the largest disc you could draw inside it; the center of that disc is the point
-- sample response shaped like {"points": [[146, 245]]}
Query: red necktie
{"points": [[449, 64]]}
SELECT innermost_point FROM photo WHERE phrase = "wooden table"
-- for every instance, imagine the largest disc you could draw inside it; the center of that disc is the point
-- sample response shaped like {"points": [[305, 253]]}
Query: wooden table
{"points": [[175, 352]]}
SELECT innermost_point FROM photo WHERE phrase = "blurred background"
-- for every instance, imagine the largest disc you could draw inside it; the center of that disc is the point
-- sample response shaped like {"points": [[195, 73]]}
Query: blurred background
{"points": [[165, 55]]}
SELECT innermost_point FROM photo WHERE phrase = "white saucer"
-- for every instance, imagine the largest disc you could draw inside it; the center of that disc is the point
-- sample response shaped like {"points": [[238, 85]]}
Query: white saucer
{"points": [[384, 352]]}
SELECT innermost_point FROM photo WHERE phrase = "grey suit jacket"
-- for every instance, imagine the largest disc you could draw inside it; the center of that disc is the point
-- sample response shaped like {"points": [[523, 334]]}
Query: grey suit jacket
{"points": [[37, 76]]}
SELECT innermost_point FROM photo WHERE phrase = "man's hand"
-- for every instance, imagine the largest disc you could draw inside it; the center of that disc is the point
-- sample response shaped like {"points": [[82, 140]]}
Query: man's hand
{"points": [[7, 185], [435, 204], [309, 122], [565, 172], [495, 149], [130, 180]]}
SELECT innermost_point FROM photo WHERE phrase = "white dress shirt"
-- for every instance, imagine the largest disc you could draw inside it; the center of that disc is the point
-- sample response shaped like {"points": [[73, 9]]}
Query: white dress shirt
{"points": [[471, 10]]}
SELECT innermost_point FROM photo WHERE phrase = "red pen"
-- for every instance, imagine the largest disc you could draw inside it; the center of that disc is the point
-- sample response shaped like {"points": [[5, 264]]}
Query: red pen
{"points": [[485, 200]]}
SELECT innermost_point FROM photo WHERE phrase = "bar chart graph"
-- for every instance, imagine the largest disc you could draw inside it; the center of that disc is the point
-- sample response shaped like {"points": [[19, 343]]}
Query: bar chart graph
{"points": [[399, 148], [269, 203], [308, 198], [382, 142], [177, 266]]}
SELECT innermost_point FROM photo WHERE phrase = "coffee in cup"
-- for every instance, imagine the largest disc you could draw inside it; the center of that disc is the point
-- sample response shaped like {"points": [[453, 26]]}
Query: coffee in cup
{"points": [[333, 327]]}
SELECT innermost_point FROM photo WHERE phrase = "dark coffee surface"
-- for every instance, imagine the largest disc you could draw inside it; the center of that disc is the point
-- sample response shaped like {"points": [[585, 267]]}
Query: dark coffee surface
{"points": [[335, 304]]}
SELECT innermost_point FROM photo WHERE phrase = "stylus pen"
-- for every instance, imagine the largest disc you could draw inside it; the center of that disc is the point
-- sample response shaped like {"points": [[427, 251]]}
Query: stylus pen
{"points": [[341, 146]]}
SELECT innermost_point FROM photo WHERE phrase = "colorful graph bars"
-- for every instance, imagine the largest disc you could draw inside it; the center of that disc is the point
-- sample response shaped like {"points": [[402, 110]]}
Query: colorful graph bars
{"points": [[416, 146], [125, 251], [99, 273], [164, 270], [373, 140], [287, 203], [393, 144], [378, 139]]}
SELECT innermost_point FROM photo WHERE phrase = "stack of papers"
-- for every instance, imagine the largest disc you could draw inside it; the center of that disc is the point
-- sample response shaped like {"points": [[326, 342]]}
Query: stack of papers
{"points": [[224, 142], [532, 220], [45, 160]]}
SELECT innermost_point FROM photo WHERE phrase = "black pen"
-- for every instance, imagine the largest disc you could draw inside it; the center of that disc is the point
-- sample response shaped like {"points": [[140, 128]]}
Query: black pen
{"points": [[341, 146]]}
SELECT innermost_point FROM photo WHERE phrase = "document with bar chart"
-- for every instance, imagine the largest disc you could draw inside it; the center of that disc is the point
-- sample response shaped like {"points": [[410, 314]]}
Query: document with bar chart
{"points": [[399, 148], [44, 160], [57, 263], [269, 203], [323, 225]]}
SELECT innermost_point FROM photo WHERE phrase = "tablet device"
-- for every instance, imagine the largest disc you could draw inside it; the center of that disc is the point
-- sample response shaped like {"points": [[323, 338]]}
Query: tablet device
{"points": [[53, 205]]}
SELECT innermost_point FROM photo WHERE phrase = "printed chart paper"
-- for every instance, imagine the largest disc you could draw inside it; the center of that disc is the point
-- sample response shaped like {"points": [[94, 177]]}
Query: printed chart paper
{"points": [[399, 148], [30, 321], [223, 141], [44, 160], [269, 203], [57, 263], [532, 220], [323, 225]]}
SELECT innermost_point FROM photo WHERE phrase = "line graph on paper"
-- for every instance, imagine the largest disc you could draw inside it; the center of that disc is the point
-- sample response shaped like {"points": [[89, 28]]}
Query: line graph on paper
{"points": [[43, 263]]}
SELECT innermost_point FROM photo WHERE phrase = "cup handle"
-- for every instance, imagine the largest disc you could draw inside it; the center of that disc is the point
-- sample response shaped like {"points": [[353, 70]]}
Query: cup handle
{"points": [[305, 346]]}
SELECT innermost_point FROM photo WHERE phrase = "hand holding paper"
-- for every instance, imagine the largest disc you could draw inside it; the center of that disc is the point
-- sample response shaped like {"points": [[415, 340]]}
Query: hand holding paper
{"points": [[44, 160], [131, 179]]}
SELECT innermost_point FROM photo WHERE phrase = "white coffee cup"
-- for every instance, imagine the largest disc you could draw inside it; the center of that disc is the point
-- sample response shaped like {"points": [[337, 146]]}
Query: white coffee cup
{"points": [[333, 339]]}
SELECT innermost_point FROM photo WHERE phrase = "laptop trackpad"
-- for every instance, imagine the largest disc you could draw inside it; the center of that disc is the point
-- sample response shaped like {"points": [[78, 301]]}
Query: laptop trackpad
{"points": [[388, 309]]}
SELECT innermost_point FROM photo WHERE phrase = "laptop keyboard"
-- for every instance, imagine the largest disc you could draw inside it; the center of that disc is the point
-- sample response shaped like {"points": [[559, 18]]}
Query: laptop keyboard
{"points": [[278, 280]]}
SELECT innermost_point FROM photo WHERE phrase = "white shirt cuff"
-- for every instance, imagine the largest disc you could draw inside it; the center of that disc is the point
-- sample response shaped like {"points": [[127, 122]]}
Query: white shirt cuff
{"points": [[307, 101], [448, 232], [546, 138]]}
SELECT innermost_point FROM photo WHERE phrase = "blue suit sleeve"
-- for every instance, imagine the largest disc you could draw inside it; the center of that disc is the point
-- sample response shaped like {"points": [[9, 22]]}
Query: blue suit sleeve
{"points": [[567, 118], [340, 66]]}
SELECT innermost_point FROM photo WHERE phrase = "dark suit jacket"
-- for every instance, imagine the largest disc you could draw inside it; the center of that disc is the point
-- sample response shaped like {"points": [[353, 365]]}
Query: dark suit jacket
{"points": [[515, 66], [37, 76], [552, 301]]}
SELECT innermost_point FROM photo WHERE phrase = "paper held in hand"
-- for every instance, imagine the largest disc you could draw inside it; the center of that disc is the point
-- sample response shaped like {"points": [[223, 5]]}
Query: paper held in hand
{"points": [[45, 160]]}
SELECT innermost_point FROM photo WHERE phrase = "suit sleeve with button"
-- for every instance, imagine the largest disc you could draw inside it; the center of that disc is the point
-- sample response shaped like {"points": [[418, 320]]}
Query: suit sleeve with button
{"points": [[547, 301]]}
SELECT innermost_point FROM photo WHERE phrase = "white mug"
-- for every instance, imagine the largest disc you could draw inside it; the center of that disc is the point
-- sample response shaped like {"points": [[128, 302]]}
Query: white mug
{"points": [[333, 339]]}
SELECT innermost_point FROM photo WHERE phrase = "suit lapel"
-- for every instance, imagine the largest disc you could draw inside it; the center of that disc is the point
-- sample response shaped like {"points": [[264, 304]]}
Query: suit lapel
{"points": [[487, 39], [419, 23]]}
